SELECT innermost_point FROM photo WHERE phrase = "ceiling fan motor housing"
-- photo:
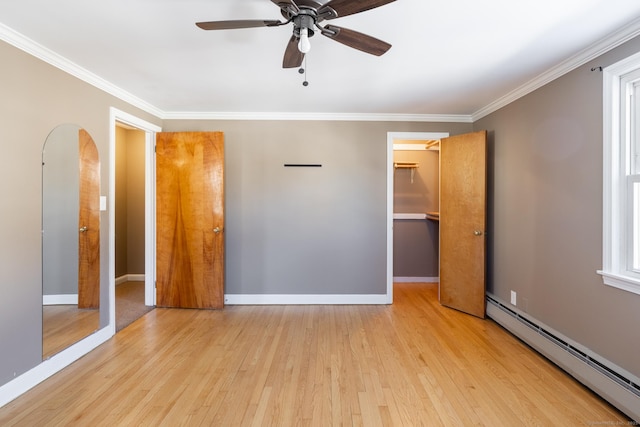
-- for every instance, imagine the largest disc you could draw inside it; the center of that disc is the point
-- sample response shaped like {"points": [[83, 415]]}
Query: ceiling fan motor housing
{"points": [[304, 19]]}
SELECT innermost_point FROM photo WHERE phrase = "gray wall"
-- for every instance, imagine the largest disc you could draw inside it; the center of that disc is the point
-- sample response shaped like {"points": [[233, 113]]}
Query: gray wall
{"points": [[35, 99], [545, 218], [306, 230], [415, 248]]}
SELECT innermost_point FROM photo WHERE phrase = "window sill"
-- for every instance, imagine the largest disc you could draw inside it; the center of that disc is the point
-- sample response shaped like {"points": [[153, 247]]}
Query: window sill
{"points": [[626, 283]]}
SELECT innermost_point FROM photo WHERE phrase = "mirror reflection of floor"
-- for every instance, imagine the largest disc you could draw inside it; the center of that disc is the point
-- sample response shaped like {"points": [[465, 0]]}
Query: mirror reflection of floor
{"points": [[63, 325], [130, 303]]}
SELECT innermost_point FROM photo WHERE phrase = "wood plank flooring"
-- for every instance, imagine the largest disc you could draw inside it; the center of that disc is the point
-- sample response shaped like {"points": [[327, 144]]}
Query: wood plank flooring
{"points": [[408, 364]]}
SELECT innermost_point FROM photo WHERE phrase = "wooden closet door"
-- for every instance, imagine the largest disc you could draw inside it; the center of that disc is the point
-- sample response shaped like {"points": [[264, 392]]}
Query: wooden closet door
{"points": [[190, 220], [463, 205], [88, 223]]}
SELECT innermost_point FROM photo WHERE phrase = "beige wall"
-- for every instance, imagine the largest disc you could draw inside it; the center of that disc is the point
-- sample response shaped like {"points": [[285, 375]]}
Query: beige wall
{"points": [[121, 202], [135, 203], [130, 197]]}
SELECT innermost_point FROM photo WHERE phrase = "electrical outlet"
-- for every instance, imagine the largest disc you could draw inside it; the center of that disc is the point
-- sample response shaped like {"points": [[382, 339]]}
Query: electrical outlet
{"points": [[513, 297]]}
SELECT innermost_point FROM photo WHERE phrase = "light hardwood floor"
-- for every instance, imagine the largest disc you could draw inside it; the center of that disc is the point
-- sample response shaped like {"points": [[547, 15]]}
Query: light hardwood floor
{"points": [[411, 363]]}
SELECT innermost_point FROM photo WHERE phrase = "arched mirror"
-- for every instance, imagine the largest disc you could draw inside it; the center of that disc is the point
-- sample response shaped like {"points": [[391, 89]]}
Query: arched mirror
{"points": [[70, 238]]}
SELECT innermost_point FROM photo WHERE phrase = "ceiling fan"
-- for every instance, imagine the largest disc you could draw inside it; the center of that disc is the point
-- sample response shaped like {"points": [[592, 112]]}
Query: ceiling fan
{"points": [[306, 16]]}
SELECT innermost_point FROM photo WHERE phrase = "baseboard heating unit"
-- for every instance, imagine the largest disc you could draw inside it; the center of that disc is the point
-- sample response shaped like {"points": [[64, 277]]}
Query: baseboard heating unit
{"points": [[612, 383]]}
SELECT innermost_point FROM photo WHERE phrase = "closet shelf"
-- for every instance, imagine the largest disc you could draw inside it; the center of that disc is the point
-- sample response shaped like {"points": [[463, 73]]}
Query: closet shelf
{"points": [[435, 216], [407, 165], [418, 216]]}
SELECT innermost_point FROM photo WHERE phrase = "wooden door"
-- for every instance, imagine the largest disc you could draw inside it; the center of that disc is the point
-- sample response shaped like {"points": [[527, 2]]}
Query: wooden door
{"points": [[463, 222], [190, 220], [88, 223]]}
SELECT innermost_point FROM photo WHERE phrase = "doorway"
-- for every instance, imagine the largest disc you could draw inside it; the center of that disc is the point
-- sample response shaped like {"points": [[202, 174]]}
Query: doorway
{"points": [[145, 131], [462, 225], [130, 225], [412, 168]]}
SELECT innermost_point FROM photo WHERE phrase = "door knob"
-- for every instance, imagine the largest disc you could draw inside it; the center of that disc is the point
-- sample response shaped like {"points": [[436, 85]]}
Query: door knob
{"points": [[477, 233], [83, 229], [217, 230]]}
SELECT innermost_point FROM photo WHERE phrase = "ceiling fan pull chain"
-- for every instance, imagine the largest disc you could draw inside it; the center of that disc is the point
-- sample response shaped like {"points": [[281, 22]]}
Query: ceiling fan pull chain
{"points": [[305, 83]]}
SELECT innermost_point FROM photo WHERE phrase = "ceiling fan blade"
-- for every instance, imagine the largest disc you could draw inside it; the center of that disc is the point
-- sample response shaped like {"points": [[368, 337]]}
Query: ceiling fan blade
{"points": [[356, 40], [292, 55], [337, 8], [232, 25], [288, 5]]}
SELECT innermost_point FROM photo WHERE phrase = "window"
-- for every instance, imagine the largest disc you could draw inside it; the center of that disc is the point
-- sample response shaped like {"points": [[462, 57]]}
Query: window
{"points": [[633, 178], [621, 243]]}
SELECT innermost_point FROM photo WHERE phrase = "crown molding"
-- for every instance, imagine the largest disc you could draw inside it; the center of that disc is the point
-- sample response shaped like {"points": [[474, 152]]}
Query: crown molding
{"points": [[33, 48], [353, 117], [29, 46], [614, 40]]}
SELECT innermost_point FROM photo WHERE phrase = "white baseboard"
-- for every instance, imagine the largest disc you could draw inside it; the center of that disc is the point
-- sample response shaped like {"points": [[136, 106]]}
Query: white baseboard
{"points": [[129, 278], [66, 299], [54, 364], [416, 279], [592, 370], [278, 299]]}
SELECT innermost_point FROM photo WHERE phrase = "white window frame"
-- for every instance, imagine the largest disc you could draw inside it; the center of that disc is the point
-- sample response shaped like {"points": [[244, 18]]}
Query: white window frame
{"points": [[619, 123]]}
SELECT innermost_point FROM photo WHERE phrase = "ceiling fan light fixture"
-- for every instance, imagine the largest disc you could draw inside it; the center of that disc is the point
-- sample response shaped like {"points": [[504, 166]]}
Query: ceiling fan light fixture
{"points": [[304, 45]]}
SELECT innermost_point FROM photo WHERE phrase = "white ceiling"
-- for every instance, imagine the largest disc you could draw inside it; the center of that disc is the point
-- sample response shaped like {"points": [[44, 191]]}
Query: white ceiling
{"points": [[453, 57]]}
